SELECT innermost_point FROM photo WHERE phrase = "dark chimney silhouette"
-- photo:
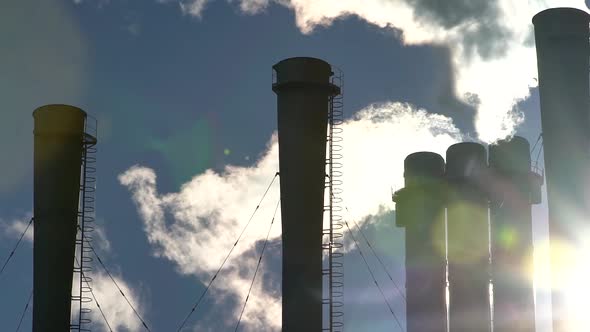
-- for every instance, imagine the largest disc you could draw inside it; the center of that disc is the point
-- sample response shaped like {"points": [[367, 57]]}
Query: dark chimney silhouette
{"points": [[303, 90], [561, 36], [513, 188], [59, 131], [468, 239], [420, 210]]}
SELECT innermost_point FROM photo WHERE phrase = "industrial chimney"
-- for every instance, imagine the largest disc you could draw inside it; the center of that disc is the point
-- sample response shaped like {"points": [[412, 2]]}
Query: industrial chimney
{"points": [[514, 187], [420, 209], [468, 239], [303, 90], [59, 131], [561, 36]]}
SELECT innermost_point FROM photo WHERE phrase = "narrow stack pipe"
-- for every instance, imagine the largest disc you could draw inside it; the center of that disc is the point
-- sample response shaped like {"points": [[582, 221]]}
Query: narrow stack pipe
{"points": [[561, 37], [303, 90], [420, 210], [511, 195], [468, 239], [59, 131]]}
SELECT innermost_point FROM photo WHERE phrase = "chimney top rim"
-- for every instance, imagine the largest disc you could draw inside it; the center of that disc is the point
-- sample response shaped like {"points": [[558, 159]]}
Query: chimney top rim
{"points": [[554, 13], [60, 107]]}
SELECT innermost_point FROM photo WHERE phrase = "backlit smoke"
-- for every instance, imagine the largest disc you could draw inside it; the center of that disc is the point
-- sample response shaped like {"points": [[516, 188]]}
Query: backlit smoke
{"points": [[490, 41]]}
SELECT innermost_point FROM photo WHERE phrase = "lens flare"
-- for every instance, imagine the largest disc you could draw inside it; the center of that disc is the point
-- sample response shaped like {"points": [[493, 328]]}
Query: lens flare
{"points": [[468, 247]]}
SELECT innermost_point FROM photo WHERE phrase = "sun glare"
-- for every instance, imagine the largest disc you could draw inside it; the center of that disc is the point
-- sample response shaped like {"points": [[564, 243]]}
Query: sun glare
{"points": [[577, 289], [571, 270]]}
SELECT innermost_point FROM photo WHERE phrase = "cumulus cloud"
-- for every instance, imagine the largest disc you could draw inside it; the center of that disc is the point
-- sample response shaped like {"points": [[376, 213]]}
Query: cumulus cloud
{"points": [[197, 226], [490, 42]]}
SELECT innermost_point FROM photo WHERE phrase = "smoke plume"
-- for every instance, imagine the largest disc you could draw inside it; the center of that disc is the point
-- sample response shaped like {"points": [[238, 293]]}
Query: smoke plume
{"points": [[490, 41]]}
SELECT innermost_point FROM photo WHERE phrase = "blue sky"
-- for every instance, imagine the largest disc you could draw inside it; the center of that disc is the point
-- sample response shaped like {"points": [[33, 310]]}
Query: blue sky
{"points": [[182, 96]]}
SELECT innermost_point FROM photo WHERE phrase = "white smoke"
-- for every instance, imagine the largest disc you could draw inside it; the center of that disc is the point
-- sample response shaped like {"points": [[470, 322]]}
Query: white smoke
{"points": [[117, 312], [196, 227], [490, 41]]}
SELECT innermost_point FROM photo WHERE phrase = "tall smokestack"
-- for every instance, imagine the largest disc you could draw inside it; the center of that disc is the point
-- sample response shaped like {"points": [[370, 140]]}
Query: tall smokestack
{"points": [[561, 36], [59, 131], [420, 210], [468, 239], [511, 195], [303, 90]]}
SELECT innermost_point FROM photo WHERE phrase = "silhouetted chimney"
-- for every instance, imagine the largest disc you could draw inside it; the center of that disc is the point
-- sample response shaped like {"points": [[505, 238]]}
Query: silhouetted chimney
{"points": [[303, 90], [561, 36], [468, 239], [59, 131], [420, 209], [512, 191]]}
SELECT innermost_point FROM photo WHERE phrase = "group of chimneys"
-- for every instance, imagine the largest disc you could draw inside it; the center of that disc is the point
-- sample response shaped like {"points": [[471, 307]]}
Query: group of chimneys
{"points": [[483, 211], [449, 213]]}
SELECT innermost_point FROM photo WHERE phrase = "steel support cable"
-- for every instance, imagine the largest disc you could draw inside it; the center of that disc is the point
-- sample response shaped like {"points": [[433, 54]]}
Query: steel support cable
{"points": [[258, 265], [22, 316], [539, 139], [380, 261], [194, 308], [16, 246], [378, 258], [119, 288], [536, 142], [373, 277], [539, 154], [95, 300]]}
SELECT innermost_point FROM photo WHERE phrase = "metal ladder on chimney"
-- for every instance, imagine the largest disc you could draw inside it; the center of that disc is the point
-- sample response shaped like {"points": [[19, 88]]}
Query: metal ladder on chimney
{"points": [[86, 215], [333, 272]]}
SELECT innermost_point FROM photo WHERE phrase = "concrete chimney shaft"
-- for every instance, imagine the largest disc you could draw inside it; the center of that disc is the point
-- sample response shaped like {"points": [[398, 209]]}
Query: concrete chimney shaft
{"points": [[511, 188], [58, 148], [561, 36], [303, 90], [468, 239], [420, 209]]}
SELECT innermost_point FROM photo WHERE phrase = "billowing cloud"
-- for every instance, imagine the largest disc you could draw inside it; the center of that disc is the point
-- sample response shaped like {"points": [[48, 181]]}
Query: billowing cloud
{"points": [[490, 41], [376, 141], [197, 226]]}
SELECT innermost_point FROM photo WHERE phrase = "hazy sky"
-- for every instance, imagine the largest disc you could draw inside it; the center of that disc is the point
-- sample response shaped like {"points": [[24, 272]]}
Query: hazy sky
{"points": [[186, 115]]}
